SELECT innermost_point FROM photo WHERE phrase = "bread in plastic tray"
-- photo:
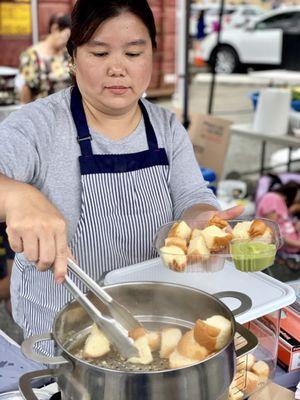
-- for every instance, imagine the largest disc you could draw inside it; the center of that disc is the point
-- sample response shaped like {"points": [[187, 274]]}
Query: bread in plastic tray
{"points": [[203, 246]]}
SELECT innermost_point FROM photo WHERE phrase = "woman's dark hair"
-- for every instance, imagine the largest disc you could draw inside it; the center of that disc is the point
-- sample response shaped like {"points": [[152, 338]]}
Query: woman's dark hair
{"points": [[62, 21], [87, 15], [289, 190]]}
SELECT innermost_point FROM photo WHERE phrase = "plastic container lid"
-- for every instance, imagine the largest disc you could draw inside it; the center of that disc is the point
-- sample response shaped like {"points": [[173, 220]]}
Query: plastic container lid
{"points": [[267, 294]]}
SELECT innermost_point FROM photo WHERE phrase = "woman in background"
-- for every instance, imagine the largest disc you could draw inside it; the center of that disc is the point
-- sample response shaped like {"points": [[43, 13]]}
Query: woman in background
{"points": [[275, 205], [44, 67]]}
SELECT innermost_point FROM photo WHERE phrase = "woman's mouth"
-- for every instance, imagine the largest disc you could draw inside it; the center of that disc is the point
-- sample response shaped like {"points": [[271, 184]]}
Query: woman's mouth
{"points": [[117, 89]]}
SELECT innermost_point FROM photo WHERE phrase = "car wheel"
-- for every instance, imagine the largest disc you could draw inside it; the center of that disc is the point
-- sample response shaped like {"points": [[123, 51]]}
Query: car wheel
{"points": [[225, 60]]}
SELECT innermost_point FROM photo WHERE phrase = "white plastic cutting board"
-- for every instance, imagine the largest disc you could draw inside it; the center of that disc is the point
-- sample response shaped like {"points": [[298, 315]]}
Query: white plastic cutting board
{"points": [[267, 294]]}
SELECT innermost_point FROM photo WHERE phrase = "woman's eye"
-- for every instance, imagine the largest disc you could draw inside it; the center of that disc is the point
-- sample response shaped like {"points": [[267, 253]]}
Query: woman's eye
{"points": [[100, 54], [133, 54]]}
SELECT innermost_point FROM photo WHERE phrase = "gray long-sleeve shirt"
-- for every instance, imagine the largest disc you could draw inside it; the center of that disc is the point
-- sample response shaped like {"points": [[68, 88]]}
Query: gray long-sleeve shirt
{"points": [[38, 145]]}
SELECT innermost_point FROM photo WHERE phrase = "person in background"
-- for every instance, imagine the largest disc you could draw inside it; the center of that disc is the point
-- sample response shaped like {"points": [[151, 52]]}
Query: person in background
{"points": [[275, 206], [44, 67], [201, 26]]}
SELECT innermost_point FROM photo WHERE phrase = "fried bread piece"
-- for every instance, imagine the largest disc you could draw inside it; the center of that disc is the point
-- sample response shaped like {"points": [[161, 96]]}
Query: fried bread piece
{"points": [[180, 230], [96, 344], [174, 257], [217, 221], [190, 348], [178, 242], [145, 355], [213, 333], [197, 250], [215, 238], [169, 340]]}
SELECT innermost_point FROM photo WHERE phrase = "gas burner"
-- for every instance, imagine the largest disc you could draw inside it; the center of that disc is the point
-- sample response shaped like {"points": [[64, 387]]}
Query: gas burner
{"points": [[56, 396]]}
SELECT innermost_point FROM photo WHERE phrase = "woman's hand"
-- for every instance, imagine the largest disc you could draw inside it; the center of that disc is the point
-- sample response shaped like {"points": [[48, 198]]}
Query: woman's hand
{"points": [[36, 228], [197, 217]]}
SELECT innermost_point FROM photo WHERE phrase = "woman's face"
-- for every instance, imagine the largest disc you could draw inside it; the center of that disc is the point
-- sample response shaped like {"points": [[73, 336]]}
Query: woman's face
{"points": [[114, 68], [60, 37]]}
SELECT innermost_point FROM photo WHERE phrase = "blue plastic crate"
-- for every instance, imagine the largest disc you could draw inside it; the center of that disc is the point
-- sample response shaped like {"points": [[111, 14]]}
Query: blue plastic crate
{"points": [[210, 176]]}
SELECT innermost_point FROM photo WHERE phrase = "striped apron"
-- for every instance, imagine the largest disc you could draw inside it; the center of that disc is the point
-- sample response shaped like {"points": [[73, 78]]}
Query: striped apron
{"points": [[125, 198]]}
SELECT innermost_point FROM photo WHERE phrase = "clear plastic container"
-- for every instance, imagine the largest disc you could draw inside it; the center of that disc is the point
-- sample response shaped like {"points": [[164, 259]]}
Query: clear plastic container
{"points": [[248, 254], [247, 379]]}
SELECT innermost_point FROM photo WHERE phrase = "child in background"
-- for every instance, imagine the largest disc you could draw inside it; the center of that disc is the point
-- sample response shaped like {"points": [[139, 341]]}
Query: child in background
{"points": [[275, 206]]}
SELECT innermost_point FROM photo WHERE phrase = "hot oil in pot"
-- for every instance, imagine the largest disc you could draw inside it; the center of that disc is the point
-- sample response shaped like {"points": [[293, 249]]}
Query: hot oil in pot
{"points": [[114, 361]]}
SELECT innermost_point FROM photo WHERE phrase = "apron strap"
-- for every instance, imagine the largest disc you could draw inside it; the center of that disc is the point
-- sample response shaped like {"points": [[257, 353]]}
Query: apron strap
{"points": [[83, 134], [151, 137]]}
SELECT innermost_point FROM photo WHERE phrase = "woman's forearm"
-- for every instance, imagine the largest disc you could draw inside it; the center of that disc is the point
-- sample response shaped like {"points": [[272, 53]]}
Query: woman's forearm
{"points": [[292, 243], [8, 189]]}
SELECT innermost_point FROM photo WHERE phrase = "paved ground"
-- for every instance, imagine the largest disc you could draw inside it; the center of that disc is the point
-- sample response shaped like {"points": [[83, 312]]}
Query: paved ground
{"points": [[232, 102]]}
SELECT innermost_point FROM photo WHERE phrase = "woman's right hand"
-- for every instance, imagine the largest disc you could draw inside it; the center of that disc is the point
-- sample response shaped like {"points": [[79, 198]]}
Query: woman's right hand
{"points": [[36, 228]]}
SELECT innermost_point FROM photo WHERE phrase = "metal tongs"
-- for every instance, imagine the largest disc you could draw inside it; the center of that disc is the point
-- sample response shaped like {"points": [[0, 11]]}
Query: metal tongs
{"points": [[116, 327]]}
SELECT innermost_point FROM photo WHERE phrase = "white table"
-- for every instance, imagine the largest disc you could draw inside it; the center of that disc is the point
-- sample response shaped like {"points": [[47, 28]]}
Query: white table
{"points": [[277, 77], [246, 130]]}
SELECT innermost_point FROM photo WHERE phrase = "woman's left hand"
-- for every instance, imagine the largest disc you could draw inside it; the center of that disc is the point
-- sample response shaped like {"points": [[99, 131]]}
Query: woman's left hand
{"points": [[205, 216]]}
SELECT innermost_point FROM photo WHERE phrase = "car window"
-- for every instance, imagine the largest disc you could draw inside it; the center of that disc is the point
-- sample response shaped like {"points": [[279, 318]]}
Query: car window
{"points": [[280, 21], [216, 11], [250, 12]]}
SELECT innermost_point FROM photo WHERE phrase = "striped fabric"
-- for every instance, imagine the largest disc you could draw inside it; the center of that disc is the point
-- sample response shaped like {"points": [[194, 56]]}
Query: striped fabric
{"points": [[120, 214]]}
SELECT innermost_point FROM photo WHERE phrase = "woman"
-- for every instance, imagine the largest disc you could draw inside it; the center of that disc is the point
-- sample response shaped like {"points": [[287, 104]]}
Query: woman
{"points": [[44, 67], [275, 205], [136, 168]]}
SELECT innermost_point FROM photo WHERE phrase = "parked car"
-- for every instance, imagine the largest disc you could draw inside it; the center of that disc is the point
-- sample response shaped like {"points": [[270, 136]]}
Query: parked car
{"points": [[259, 43], [243, 15]]}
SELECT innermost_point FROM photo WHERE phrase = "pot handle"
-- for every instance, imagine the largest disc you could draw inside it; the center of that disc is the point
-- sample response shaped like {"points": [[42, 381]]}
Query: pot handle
{"points": [[246, 302], [242, 349], [25, 381], [28, 350]]}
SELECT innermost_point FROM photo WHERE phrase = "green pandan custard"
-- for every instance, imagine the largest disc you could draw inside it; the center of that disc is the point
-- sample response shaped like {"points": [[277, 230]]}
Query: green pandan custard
{"points": [[252, 255]]}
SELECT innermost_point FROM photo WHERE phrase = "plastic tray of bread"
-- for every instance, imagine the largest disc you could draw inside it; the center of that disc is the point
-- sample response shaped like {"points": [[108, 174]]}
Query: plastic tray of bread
{"points": [[203, 246], [254, 370]]}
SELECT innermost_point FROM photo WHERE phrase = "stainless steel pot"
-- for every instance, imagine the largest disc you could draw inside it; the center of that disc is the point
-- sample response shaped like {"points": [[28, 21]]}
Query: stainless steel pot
{"points": [[154, 303]]}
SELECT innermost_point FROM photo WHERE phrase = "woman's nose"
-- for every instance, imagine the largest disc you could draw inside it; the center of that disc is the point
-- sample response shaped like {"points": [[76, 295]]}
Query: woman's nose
{"points": [[116, 69]]}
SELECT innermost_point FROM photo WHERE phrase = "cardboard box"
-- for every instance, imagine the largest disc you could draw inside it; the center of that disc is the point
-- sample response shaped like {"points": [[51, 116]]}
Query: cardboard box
{"points": [[273, 392], [210, 137], [289, 339]]}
